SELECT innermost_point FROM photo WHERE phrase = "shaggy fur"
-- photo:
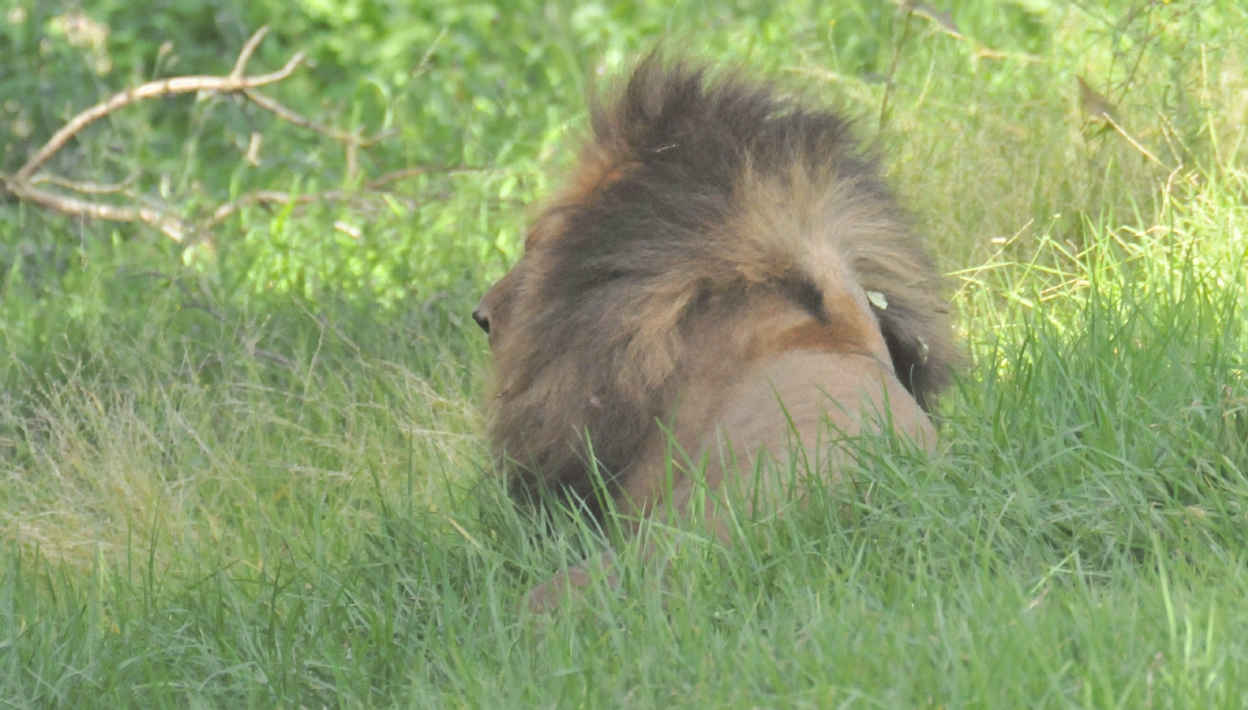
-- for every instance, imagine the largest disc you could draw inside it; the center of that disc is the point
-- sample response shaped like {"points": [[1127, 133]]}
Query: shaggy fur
{"points": [[713, 250]]}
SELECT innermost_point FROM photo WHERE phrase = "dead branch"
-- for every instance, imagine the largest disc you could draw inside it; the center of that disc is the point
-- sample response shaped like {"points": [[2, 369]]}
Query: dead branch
{"points": [[152, 89], [173, 226], [291, 116], [371, 189], [274, 197], [249, 48], [25, 183], [86, 188], [1134, 143]]}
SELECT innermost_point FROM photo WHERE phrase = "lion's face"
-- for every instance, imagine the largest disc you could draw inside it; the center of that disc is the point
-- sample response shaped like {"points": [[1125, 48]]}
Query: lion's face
{"points": [[491, 310], [493, 313]]}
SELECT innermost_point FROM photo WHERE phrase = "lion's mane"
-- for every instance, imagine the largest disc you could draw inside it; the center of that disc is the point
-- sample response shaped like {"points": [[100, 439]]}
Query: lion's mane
{"points": [[692, 192]]}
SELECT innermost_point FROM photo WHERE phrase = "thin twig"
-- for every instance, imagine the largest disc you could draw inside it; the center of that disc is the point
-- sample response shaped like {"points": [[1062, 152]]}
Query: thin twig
{"points": [[248, 49], [371, 189], [152, 89], [173, 226], [323, 322], [237, 331], [983, 52], [424, 61], [908, 8], [1122, 132], [273, 197], [397, 175], [86, 188], [1168, 130], [24, 184], [277, 197], [291, 116]]}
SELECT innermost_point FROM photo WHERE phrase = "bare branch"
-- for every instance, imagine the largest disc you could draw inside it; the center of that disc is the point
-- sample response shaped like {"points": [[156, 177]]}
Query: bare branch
{"points": [[86, 188], [248, 49], [291, 116], [172, 225], [253, 148], [1134, 143], [371, 189], [272, 197], [163, 87], [277, 197], [24, 184]]}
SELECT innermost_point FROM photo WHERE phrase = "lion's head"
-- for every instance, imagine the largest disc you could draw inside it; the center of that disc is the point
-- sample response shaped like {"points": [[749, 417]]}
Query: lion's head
{"points": [[711, 226]]}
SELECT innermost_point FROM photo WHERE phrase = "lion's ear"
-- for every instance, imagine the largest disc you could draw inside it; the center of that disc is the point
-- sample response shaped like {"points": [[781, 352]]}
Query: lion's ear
{"points": [[920, 347]]}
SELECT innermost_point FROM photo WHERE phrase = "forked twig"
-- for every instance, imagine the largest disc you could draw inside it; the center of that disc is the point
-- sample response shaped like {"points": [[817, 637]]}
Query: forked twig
{"points": [[152, 89], [249, 48], [290, 115], [26, 182], [372, 188]]}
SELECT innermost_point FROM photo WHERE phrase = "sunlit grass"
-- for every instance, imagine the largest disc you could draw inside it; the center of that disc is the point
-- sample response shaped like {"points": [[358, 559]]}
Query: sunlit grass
{"points": [[236, 503]]}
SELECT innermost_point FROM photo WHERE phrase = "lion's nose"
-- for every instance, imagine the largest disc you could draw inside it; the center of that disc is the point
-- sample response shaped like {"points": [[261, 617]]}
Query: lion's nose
{"points": [[482, 319]]}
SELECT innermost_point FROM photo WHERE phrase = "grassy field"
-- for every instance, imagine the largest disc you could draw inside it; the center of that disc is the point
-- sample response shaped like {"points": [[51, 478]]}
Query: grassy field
{"points": [[228, 481]]}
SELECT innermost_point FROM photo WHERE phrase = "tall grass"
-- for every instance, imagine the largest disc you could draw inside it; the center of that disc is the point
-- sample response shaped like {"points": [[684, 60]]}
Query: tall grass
{"points": [[216, 503]]}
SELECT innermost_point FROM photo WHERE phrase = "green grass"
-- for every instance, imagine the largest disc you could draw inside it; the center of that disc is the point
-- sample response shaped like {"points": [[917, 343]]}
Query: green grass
{"points": [[216, 495]]}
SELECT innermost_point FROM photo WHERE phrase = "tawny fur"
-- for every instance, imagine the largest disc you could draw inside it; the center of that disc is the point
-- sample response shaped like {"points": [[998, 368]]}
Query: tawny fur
{"points": [[706, 272]]}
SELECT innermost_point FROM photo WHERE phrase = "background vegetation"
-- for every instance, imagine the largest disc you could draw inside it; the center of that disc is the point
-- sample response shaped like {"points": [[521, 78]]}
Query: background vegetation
{"points": [[247, 470]]}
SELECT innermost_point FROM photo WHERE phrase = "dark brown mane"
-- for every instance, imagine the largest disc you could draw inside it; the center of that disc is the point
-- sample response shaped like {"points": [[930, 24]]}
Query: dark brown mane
{"points": [[660, 221]]}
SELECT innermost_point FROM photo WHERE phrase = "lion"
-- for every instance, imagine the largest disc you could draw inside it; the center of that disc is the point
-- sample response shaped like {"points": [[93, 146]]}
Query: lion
{"points": [[726, 273]]}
